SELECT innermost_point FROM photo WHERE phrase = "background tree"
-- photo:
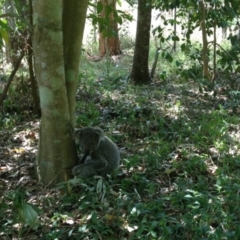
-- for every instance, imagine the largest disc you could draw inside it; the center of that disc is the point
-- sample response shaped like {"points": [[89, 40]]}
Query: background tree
{"points": [[140, 71], [58, 31], [108, 28], [208, 15], [35, 96], [15, 43]]}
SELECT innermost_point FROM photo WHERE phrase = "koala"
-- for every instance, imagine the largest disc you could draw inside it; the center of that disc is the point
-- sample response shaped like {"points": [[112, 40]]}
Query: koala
{"points": [[101, 155]]}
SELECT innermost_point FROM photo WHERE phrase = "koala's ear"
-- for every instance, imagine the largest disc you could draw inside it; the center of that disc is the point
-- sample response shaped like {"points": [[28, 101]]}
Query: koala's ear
{"points": [[99, 131], [100, 134]]}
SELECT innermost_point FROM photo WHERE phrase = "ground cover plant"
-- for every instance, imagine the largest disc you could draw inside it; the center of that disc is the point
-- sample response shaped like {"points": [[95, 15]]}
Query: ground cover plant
{"points": [[179, 144]]}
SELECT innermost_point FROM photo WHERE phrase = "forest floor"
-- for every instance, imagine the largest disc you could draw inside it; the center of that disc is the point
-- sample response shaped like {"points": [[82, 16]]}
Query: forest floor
{"points": [[180, 154]]}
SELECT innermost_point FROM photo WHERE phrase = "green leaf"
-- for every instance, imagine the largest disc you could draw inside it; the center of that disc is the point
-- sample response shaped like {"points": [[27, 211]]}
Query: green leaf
{"points": [[4, 25], [119, 3], [108, 10], [237, 232], [99, 7], [183, 47], [94, 217], [28, 215], [4, 35], [188, 196], [178, 63], [237, 69], [175, 38], [169, 57], [119, 20]]}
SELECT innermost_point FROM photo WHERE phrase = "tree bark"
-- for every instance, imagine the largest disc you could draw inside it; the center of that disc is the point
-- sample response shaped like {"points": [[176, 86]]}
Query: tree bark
{"points": [[140, 71], [108, 33], [56, 66], [74, 16]]}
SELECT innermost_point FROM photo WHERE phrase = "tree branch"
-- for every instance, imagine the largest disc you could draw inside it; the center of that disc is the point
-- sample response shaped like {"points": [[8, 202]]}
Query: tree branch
{"points": [[8, 15], [4, 93]]}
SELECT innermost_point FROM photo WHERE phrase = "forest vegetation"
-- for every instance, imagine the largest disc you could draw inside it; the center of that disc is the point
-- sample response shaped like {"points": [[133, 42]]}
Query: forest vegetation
{"points": [[168, 99]]}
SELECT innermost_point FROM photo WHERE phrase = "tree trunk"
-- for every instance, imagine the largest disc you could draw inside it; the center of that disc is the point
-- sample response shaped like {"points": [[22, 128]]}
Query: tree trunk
{"points": [[74, 16], [140, 72], [108, 32], [204, 39], [175, 30], [35, 96], [56, 64]]}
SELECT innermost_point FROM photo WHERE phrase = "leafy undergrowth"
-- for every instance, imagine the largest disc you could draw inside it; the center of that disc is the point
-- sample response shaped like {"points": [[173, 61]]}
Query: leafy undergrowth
{"points": [[180, 166]]}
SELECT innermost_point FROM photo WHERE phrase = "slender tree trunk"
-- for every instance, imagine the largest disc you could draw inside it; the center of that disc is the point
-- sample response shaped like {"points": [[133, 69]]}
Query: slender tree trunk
{"points": [[95, 29], [204, 39], [214, 52], [155, 62], [140, 72], [108, 33], [175, 30], [56, 65], [35, 96], [188, 32]]}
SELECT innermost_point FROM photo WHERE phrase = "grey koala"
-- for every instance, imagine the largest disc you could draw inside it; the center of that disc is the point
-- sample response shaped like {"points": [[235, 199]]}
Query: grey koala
{"points": [[101, 155]]}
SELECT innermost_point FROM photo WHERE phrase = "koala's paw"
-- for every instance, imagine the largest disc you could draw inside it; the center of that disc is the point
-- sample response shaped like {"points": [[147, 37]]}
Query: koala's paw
{"points": [[83, 171]]}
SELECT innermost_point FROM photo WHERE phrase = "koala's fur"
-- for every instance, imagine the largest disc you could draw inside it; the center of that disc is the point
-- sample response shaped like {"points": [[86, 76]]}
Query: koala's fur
{"points": [[101, 155]]}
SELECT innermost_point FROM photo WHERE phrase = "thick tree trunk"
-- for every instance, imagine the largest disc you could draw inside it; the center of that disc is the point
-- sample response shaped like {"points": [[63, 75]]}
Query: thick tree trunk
{"points": [[108, 34], [140, 72], [74, 16], [57, 74]]}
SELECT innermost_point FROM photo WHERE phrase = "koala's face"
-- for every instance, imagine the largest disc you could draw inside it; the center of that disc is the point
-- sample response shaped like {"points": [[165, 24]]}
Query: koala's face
{"points": [[88, 139]]}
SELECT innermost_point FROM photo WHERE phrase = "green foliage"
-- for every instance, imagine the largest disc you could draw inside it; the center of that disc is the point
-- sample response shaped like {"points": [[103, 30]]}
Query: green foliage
{"points": [[15, 210], [219, 14], [6, 25]]}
